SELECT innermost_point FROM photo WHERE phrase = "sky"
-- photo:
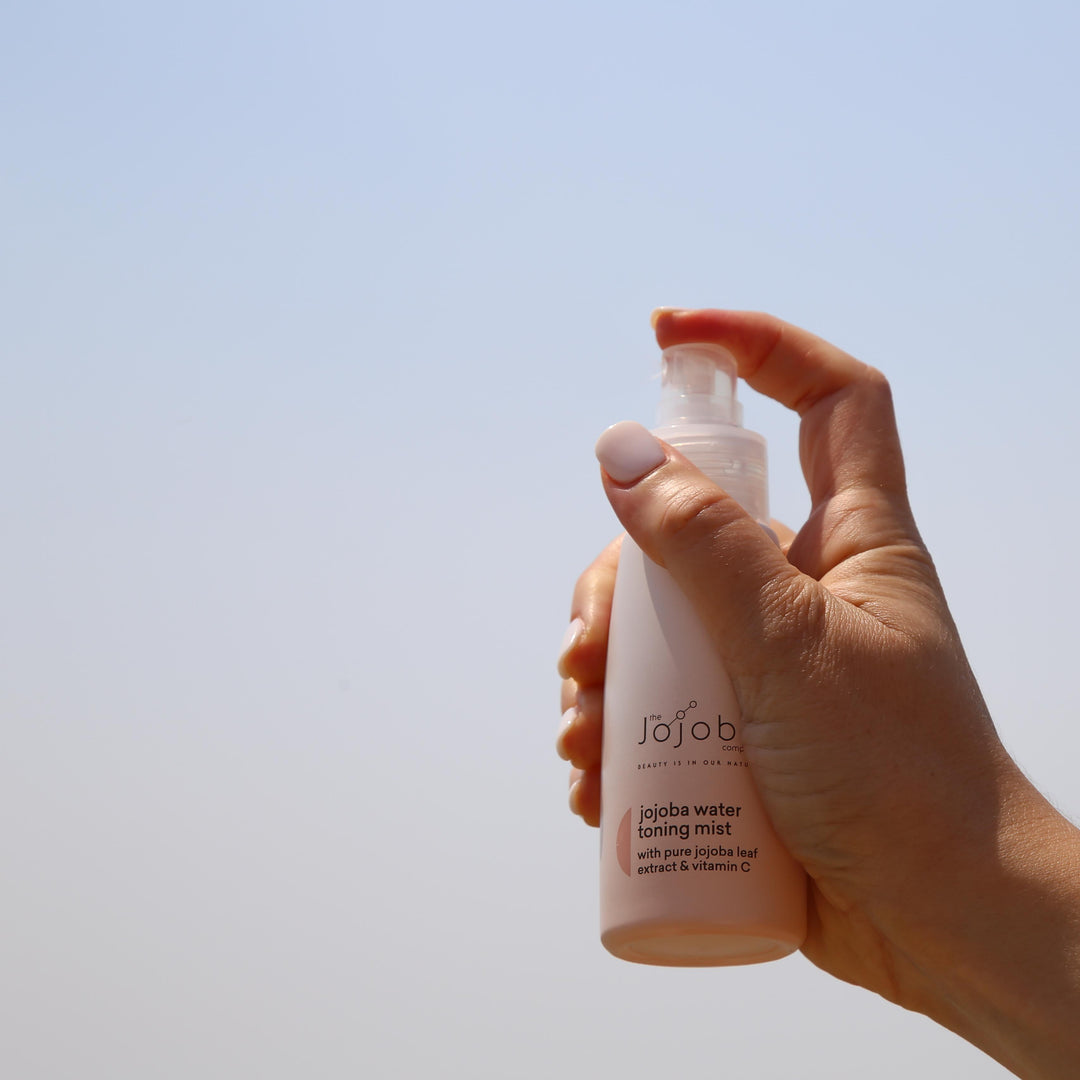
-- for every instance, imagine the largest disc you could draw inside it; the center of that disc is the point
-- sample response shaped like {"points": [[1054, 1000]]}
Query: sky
{"points": [[309, 318]]}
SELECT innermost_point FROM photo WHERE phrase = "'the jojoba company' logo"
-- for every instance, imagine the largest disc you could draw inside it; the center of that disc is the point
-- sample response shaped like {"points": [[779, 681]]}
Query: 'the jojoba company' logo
{"points": [[656, 729]]}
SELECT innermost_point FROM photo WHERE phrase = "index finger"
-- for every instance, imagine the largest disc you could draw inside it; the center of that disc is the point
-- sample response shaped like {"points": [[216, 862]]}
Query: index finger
{"points": [[776, 358], [848, 438]]}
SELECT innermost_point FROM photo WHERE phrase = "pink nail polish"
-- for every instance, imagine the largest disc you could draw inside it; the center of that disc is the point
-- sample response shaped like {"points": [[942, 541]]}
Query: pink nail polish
{"points": [[574, 795], [627, 451], [654, 318], [570, 638], [566, 723]]}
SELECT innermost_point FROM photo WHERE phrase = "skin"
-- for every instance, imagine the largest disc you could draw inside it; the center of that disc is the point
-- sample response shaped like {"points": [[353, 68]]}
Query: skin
{"points": [[940, 877]]}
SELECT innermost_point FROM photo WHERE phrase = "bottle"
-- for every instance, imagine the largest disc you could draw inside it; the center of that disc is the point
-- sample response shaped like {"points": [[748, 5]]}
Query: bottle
{"points": [[692, 873]]}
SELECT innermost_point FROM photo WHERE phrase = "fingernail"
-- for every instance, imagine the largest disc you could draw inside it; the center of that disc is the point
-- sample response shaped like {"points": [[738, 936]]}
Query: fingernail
{"points": [[628, 451], [570, 638], [654, 318], [767, 529], [574, 795], [567, 723]]}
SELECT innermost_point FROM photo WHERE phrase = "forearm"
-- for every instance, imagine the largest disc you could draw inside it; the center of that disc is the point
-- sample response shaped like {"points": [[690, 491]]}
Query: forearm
{"points": [[1002, 962]]}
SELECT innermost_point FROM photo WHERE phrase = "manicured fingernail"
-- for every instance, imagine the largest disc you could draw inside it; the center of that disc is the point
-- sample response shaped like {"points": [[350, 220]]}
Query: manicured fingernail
{"points": [[570, 638], [654, 318], [628, 451], [574, 796], [566, 724]]}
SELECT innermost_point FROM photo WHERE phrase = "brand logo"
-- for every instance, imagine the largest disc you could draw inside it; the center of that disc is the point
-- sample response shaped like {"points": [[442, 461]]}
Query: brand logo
{"points": [[655, 728]]}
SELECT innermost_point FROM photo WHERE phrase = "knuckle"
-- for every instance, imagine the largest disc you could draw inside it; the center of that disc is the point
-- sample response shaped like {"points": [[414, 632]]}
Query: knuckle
{"points": [[875, 378], [875, 383], [692, 516]]}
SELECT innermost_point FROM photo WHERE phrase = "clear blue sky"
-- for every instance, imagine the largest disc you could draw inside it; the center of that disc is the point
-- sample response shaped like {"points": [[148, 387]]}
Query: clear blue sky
{"points": [[309, 316]]}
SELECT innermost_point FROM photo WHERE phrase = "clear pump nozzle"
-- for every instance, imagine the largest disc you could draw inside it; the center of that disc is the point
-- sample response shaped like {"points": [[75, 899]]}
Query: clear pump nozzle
{"points": [[700, 415], [697, 384]]}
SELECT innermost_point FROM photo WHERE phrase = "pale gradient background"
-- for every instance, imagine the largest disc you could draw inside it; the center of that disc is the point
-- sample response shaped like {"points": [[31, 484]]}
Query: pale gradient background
{"points": [[309, 316]]}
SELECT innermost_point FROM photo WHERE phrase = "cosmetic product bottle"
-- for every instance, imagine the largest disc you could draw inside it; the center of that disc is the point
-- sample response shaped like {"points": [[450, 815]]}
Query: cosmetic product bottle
{"points": [[691, 872]]}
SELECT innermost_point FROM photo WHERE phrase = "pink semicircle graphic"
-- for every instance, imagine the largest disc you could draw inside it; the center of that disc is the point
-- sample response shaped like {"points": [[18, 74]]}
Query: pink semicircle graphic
{"points": [[622, 844]]}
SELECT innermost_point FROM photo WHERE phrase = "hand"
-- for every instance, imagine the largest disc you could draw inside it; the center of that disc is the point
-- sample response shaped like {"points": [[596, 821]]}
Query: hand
{"points": [[929, 853]]}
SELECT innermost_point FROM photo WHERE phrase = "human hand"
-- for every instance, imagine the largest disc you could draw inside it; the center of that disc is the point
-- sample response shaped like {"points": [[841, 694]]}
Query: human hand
{"points": [[870, 743]]}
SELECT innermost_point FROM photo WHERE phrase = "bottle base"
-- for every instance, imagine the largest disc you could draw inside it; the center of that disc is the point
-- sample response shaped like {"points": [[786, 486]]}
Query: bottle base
{"points": [[687, 945]]}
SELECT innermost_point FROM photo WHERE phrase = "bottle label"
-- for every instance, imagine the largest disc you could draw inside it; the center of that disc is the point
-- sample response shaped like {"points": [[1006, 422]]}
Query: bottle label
{"points": [[682, 760]]}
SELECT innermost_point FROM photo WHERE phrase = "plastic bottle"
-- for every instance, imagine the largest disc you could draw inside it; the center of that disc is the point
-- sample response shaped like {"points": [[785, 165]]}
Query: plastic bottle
{"points": [[691, 872]]}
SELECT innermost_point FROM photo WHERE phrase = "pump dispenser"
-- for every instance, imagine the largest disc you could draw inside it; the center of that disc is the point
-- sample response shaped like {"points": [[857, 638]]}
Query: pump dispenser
{"points": [[691, 872], [700, 415]]}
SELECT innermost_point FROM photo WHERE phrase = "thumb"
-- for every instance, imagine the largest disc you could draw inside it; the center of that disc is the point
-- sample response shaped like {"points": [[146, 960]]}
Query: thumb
{"points": [[738, 580]]}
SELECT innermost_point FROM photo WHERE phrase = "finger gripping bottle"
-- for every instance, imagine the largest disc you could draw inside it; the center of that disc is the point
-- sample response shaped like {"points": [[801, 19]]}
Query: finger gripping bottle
{"points": [[691, 872]]}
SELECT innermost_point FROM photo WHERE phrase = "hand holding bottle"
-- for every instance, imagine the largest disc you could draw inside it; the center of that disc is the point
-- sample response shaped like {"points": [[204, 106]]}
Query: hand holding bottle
{"points": [[940, 877]]}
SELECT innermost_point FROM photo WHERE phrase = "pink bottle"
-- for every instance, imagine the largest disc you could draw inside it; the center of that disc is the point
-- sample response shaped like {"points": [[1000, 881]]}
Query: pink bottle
{"points": [[691, 872]]}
